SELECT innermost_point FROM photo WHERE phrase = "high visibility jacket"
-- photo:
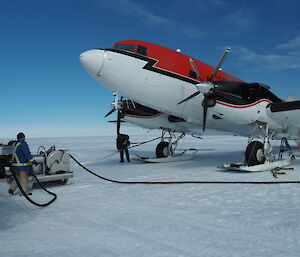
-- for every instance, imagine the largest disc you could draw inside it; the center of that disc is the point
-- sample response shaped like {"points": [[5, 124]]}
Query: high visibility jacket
{"points": [[22, 158]]}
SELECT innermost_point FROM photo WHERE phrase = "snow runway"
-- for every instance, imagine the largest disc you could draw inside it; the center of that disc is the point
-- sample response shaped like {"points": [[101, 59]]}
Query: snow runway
{"points": [[92, 217]]}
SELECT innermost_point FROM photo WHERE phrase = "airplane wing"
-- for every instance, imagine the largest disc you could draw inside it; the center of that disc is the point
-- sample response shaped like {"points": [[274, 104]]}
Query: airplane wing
{"points": [[287, 113]]}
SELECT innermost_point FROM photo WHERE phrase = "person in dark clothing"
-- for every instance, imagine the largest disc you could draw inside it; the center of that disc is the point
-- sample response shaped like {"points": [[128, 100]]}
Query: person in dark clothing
{"points": [[122, 145], [2, 167], [22, 161]]}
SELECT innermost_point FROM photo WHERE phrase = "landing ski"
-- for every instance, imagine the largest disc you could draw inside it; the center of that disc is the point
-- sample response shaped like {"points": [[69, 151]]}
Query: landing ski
{"points": [[268, 166], [175, 158]]}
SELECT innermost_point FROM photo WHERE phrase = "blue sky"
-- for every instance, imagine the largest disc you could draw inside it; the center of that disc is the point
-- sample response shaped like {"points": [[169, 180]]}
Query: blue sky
{"points": [[46, 92]]}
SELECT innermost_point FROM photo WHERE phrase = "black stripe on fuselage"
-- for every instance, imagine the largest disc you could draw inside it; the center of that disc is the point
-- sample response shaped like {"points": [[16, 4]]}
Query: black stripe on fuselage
{"points": [[231, 98], [151, 65]]}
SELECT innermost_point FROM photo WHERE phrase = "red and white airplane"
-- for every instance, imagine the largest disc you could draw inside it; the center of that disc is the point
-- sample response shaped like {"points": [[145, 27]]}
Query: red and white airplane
{"points": [[166, 89]]}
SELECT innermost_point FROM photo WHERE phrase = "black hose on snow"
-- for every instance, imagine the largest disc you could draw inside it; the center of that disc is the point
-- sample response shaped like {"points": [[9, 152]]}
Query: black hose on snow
{"points": [[28, 198], [183, 182]]}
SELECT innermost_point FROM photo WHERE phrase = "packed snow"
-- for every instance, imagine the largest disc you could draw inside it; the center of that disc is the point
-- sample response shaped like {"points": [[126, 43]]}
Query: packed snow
{"points": [[93, 217]]}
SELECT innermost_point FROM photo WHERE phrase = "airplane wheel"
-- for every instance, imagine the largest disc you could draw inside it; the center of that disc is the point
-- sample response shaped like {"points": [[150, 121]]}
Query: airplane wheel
{"points": [[162, 150], [254, 154]]}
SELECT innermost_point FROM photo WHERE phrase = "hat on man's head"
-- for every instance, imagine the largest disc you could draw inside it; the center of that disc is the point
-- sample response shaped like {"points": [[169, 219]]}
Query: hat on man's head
{"points": [[21, 136]]}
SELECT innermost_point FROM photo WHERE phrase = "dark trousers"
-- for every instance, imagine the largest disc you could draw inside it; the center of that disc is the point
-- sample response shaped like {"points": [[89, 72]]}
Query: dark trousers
{"points": [[122, 154]]}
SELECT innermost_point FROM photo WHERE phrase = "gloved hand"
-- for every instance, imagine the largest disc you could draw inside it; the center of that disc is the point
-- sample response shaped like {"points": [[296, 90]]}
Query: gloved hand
{"points": [[35, 163]]}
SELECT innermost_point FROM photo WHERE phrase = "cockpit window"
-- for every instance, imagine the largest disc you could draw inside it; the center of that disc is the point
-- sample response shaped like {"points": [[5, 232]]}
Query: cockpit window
{"points": [[130, 47], [142, 50]]}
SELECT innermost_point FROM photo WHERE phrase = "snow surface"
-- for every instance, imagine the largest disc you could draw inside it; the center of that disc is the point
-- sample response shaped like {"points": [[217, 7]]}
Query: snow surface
{"points": [[92, 217]]}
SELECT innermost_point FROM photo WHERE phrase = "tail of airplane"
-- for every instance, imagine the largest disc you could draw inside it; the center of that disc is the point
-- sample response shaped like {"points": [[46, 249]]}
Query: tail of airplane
{"points": [[291, 98]]}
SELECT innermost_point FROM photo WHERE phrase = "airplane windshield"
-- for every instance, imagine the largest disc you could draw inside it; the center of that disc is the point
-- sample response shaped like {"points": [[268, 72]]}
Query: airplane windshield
{"points": [[130, 47]]}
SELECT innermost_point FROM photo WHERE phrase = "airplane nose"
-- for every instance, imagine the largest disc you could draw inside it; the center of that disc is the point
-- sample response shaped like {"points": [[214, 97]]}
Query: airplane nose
{"points": [[92, 61]]}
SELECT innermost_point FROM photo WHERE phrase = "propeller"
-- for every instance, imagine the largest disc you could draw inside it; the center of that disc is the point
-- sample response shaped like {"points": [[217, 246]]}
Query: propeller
{"points": [[202, 88], [118, 121], [206, 88], [116, 105], [110, 112], [205, 106], [210, 92]]}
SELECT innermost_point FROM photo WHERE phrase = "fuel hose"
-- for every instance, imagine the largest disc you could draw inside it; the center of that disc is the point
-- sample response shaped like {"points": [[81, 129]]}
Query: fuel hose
{"points": [[40, 184], [183, 182]]}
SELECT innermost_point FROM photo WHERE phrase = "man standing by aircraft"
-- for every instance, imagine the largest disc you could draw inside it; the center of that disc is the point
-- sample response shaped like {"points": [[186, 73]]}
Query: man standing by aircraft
{"points": [[122, 145], [22, 161]]}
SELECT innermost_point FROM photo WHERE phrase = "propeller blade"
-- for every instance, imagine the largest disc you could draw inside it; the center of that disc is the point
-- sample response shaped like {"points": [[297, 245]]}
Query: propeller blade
{"points": [[204, 104], [220, 63], [119, 118], [190, 97], [195, 68], [109, 113], [118, 122]]}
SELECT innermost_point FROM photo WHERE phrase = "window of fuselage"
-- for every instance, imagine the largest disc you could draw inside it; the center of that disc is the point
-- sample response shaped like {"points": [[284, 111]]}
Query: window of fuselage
{"points": [[251, 93], [142, 50], [130, 47], [193, 74]]}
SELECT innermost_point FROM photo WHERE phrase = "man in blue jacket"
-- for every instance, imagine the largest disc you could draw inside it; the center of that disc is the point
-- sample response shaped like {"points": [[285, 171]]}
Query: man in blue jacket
{"points": [[22, 161]]}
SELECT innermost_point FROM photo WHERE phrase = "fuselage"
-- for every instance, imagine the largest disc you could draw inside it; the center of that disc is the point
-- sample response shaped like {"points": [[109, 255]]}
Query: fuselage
{"points": [[159, 78]]}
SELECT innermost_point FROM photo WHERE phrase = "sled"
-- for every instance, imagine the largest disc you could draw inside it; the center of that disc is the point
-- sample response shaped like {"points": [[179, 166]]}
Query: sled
{"points": [[267, 166], [176, 158]]}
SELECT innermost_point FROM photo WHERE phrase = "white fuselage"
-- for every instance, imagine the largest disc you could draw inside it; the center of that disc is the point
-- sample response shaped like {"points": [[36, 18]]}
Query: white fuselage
{"points": [[126, 75]]}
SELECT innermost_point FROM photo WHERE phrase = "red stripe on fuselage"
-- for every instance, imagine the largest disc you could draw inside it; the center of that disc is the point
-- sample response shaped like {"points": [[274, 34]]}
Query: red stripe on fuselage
{"points": [[243, 106], [178, 63]]}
